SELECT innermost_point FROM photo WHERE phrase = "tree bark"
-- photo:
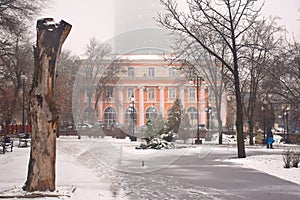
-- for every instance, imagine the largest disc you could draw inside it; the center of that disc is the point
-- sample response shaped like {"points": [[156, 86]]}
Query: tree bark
{"points": [[41, 169], [239, 120]]}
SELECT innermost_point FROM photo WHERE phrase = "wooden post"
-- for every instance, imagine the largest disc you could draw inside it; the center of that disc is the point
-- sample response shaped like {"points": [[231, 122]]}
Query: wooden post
{"points": [[41, 169]]}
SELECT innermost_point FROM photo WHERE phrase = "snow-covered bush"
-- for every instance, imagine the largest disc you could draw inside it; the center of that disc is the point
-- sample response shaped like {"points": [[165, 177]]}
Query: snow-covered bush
{"points": [[287, 158], [291, 158], [295, 158], [158, 143]]}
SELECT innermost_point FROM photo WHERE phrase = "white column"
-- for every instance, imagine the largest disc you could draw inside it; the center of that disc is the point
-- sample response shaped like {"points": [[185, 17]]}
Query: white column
{"points": [[161, 100], [202, 106], [120, 105], [141, 106], [181, 95]]}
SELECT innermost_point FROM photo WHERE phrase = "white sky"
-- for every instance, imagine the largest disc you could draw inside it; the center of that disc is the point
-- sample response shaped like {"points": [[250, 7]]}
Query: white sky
{"points": [[95, 18]]}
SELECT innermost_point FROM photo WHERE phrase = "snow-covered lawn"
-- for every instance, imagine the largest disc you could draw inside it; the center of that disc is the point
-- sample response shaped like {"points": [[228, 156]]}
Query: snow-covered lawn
{"points": [[90, 168], [270, 164], [72, 174]]}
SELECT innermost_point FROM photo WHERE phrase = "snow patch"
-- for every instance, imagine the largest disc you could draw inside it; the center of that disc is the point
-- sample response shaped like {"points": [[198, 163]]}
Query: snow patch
{"points": [[270, 164], [18, 192]]}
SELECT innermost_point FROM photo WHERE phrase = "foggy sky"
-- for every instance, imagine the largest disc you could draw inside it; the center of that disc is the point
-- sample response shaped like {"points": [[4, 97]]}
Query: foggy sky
{"points": [[96, 18]]}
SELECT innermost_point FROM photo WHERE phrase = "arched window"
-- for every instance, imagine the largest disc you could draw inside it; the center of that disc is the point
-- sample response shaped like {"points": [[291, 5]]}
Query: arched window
{"points": [[89, 114], [129, 116], [151, 113], [110, 116], [192, 112]]}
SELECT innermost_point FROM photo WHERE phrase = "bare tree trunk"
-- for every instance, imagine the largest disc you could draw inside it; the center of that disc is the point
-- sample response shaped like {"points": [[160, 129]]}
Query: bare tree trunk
{"points": [[41, 170], [239, 121]]}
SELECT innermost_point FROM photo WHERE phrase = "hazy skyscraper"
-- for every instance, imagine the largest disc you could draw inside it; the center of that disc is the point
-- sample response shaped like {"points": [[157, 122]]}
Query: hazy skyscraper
{"points": [[136, 31]]}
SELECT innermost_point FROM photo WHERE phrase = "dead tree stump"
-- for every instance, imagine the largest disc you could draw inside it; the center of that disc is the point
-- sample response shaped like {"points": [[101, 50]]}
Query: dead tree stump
{"points": [[41, 169]]}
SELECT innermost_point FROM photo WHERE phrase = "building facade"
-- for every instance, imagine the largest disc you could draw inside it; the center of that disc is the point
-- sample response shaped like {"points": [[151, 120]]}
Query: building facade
{"points": [[150, 86]]}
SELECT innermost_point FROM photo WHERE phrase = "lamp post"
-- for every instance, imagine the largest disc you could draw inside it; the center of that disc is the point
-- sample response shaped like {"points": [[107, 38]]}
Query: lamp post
{"points": [[208, 111], [131, 107], [196, 80], [264, 124], [286, 113], [208, 124], [283, 120], [263, 108], [23, 78], [279, 122]]}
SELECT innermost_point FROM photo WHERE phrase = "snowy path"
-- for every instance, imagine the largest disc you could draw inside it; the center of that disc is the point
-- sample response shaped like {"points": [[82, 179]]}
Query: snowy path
{"points": [[122, 165]]}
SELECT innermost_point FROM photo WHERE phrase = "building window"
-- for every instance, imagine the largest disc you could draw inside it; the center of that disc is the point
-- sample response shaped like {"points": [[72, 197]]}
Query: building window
{"points": [[109, 93], [151, 93], [151, 113], [130, 72], [110, 116], [172, 93], [130, 92], [192, 93], [172, 72], [151, 71], [129, 117], [89, 114], [192, 112]]}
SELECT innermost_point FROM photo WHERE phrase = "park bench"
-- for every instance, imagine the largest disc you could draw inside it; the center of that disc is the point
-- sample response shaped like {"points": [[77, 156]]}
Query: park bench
{"points": [[6, 143], [24, 139]]}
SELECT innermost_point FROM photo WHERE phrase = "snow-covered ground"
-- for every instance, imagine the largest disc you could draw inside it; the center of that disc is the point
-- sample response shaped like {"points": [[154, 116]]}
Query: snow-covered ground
{"points": [[270, 164], [72, 172], [94, 168]]}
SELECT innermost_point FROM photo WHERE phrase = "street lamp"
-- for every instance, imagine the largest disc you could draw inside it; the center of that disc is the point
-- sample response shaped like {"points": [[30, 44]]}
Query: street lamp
{"points": [[263, 108], [279, 122], [23, 78], [131, 109], [264, 123], [208, 111], [196, 80], [286, 113]]}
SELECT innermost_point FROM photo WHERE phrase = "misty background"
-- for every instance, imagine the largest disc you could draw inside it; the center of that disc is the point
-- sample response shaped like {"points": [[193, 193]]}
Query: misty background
{"points": [[129, 24]]}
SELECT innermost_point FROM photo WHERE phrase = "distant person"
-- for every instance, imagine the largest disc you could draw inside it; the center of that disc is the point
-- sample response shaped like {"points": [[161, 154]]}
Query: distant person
{"points": [[270, 139]]}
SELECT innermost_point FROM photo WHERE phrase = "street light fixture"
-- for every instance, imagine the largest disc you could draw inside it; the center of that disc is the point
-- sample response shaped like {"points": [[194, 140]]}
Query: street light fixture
{"points": [[279, 121], [263, 108], [208, 111], [23, 78], [264, 123], [196, 81], [131, 109], [286, 113]]}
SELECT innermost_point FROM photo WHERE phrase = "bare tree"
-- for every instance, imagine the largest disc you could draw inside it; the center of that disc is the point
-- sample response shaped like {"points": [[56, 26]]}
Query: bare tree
{"points": [[99, 70], [15, 50], [67, 69], [263, 41], [94, 66], [15, 62], [285, 72], [227, 21], [41, 169], [15, 17], [211, 71]]}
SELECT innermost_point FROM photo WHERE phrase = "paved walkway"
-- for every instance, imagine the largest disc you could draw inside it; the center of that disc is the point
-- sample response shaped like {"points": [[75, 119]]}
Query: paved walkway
{"points": [[191, 177]]}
